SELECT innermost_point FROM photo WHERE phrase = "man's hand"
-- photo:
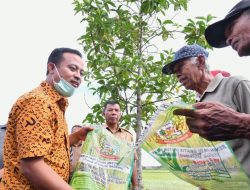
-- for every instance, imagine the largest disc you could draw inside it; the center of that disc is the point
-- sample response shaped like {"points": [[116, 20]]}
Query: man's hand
{"points": [[214, 121], [79, 135], [134, 177]]}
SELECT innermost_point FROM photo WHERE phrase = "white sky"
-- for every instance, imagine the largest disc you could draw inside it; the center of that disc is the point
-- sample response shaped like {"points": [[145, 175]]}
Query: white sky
{"points": [[31, 29]]}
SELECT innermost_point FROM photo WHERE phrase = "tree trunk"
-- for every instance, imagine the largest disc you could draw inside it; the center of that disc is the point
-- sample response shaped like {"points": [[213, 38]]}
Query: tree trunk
{"points": [[139, 104], [139, 169]]}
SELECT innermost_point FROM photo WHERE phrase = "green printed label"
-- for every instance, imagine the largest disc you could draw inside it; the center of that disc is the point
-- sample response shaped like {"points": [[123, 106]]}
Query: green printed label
{"points": [[211, 165], [105, 163]]}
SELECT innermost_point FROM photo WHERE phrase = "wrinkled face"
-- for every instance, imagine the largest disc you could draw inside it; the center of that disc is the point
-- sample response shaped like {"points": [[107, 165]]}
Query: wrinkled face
{"points": [[112, 114], [188, 73], [70, 69], [238, 35]]}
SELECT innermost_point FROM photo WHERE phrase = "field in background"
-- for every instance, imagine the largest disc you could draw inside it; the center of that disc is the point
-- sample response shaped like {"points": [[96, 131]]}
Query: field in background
{"points": [[164, 180]]}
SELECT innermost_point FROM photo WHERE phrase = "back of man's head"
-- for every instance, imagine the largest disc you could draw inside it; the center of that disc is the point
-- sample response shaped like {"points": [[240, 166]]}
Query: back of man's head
{"points": [[75, 128]]}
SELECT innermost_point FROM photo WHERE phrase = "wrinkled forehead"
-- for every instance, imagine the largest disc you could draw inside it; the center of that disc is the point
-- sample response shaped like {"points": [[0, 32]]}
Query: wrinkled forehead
{"points": [[241, 18], [113, 106], [178, 65], [229, 26]]}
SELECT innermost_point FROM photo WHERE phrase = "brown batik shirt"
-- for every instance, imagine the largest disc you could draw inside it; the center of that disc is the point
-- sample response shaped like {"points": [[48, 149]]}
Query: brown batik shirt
{"points": [[36, 128]]}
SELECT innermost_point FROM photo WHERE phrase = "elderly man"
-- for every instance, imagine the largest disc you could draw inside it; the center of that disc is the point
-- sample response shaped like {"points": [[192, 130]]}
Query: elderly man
{"points": [[215, 121], [192, 71]]}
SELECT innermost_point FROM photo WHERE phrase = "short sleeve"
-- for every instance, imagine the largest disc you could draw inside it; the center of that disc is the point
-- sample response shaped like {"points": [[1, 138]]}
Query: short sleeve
{"points": [[241, 96], [33, 129]]}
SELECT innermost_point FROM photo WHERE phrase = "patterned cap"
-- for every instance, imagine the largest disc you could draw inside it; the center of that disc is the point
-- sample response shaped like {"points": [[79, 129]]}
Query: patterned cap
{"points": [[183, 53]]}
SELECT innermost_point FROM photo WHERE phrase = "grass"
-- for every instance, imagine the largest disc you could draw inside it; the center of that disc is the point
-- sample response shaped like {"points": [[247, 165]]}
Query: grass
{"points": [[164, 180]]}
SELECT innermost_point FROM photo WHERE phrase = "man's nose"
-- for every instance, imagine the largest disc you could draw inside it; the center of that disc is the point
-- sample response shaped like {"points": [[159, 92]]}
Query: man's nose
{"points": [[78, 76], [114, 112]]}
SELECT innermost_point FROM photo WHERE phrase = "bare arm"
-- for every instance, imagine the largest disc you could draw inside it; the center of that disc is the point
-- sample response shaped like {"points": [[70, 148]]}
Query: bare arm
{"points": [[79, 135], [215, 121], [1, 173], [41, 175]]}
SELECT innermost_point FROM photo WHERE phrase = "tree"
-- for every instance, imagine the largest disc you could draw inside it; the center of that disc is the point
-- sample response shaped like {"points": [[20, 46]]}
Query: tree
{"points": [[122, 40]]}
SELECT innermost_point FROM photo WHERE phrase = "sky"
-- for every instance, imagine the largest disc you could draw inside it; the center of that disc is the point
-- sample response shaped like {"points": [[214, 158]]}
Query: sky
{"points": [[31, 29]]}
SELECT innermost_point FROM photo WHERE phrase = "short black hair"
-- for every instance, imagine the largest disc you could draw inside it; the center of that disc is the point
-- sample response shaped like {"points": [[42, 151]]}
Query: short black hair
{"points": [[75, 126], [112, 102], [56, 56]]}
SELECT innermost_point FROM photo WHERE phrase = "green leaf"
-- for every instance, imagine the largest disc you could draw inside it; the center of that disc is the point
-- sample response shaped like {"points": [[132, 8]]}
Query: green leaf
{"points": [[150, 58], [168, 22]]}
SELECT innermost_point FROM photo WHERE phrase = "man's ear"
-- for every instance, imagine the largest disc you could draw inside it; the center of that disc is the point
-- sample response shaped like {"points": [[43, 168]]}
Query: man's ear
{"points": [[51, 68], [201, 61]]}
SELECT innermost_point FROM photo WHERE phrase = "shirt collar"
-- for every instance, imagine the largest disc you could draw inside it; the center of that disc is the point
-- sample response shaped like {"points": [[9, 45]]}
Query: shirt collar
{"points": [[213, 84], [54, 95], [117, 130]]}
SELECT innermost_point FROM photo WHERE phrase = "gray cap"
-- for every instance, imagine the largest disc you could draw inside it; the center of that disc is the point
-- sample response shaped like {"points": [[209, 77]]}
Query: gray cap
{"points": [[183, 53]]}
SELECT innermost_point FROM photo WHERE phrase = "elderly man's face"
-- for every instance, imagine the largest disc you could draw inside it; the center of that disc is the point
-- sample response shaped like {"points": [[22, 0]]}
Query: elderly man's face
{"points": [[238, 35], [188, 73], [112, 114]]}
